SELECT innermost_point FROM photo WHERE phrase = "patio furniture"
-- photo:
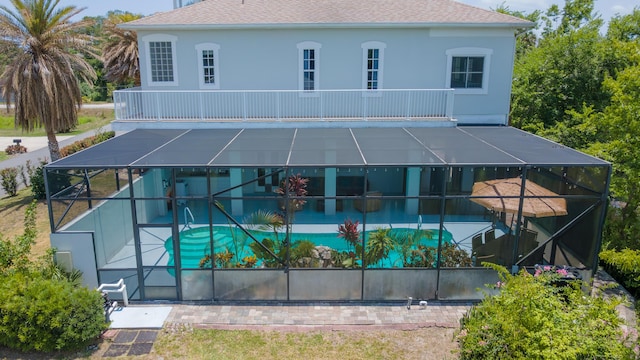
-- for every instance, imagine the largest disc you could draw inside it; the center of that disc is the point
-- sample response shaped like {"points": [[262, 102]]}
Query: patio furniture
{"points": [[476, 241], [373, 203], [489, 235]]}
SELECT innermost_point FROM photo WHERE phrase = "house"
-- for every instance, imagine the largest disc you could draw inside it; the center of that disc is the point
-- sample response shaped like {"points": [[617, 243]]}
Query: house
{"points": [[181, 3], [322, 150], [403, 57]]}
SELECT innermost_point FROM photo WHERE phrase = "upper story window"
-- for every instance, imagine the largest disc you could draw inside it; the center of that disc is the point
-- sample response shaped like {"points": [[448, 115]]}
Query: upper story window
{"points": [[309, 66], [372, 66], [161, 59], [468, 70], [309, 69], [208, 65]]}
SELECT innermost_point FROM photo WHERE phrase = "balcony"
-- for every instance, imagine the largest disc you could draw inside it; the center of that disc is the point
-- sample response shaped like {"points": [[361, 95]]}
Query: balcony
{"points": [[136, 108]]}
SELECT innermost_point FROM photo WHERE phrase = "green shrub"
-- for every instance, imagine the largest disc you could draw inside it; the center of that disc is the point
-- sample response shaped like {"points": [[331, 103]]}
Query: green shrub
{"points": [[37, 182], [58, 180], [15, 254], [9, 180], [530, 318], [624, 266], [46, 314], [41, 307]]}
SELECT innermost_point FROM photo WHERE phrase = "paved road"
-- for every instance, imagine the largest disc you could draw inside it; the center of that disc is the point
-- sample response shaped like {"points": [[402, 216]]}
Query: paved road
{"points": [[37, 150]]}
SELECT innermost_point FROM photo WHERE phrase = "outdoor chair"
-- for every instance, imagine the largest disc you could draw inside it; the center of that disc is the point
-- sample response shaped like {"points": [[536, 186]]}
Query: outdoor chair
{"points": [[476, 241], [489, 236], [373, 203]]}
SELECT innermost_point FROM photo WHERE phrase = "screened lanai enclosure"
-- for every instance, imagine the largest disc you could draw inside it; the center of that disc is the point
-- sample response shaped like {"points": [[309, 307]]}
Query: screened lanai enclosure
{"points": [[323, 214]]}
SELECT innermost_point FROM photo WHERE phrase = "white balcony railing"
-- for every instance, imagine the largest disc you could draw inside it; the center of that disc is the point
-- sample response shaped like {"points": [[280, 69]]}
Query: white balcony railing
{"points": [[283, 105]]}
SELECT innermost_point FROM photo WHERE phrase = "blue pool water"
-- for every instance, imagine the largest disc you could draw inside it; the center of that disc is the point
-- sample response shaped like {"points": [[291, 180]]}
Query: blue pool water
{"points": [[195, 242]]}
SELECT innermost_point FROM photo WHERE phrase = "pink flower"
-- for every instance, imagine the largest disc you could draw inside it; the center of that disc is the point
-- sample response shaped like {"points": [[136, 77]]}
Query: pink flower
{"points": [[499, 284], [562, 272], [538, 272]]}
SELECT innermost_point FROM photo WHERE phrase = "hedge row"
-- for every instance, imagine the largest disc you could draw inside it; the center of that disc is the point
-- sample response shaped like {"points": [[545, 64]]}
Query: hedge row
{"points": [[86, 142], [624, 266]]}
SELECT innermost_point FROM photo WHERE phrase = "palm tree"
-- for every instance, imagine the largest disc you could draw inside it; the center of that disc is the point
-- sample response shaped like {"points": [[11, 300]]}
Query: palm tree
{"points": [[42, 78], [120, 53]]}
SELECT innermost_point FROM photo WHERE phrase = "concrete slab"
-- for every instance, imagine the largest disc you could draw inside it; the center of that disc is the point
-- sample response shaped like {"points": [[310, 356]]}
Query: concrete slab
{"points": [[139, 317]]}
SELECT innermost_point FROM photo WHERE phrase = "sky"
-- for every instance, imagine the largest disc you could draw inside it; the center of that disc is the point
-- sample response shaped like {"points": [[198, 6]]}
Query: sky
{"points": [[606, 8]]}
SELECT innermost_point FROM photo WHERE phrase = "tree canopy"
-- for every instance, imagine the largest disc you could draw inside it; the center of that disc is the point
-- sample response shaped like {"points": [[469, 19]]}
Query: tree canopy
{"points": [[581, 88], [42, 80]]}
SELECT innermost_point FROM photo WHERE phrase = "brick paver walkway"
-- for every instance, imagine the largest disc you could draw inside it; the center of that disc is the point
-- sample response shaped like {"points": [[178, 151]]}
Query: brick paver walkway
{"points": [[314, 316]]}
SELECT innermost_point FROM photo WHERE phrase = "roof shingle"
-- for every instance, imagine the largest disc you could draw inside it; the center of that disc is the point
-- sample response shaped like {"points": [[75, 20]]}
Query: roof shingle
{"points": [[327, 12]]}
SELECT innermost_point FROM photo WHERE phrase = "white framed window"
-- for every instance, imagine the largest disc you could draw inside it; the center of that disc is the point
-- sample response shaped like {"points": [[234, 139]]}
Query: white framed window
{"points": [[372, 65], [208, 65], [309, 66], [161, 59], [468, 70]]}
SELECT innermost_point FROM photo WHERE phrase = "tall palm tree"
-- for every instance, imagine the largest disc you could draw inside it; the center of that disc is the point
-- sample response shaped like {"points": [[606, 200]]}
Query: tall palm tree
{"points": [[120, 53], [42, 79]]}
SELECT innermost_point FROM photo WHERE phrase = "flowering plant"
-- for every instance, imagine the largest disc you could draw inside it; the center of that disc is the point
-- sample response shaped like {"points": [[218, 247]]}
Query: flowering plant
{"points": [[563, 272]]}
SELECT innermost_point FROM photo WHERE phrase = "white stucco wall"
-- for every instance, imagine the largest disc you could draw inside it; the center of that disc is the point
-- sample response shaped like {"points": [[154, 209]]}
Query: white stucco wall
{"points": [[413, 59]]}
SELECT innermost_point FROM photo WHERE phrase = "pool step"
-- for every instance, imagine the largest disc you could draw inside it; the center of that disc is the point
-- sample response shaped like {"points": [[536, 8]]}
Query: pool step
{"points": [[193, 249]]}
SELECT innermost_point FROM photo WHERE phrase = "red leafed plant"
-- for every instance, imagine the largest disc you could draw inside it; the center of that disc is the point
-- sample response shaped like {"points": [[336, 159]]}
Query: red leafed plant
{"points": [[294, 185], [349, 231]]}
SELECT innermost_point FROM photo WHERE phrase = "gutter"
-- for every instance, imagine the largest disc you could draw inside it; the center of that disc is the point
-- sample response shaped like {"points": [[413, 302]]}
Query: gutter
{"points": [[143, 27]]}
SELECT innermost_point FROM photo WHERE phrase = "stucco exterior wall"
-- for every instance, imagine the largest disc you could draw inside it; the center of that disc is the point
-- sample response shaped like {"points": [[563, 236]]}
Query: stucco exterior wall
{"points": [[268, 59]]}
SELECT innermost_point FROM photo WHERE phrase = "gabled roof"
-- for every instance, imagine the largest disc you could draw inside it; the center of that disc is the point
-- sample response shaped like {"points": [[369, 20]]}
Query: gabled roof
{"points": [[333, 13]]}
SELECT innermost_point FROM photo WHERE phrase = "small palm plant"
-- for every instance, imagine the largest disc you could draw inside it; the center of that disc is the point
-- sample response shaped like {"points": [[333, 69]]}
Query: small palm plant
{"points": [[263, 221], [379, 244]]}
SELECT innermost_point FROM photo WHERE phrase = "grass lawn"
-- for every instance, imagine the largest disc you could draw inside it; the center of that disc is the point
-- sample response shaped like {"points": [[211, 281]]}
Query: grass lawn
{"points": [[88, 119], [428, 343], [196, 344], [12, 219]]}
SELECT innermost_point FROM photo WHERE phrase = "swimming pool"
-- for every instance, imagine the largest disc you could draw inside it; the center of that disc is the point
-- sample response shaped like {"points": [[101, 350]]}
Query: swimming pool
{"points": [[195, 242]]}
